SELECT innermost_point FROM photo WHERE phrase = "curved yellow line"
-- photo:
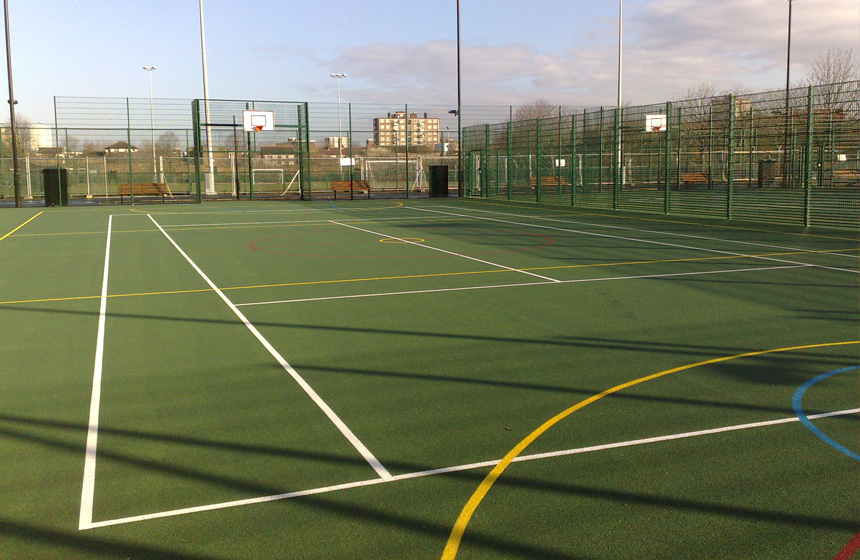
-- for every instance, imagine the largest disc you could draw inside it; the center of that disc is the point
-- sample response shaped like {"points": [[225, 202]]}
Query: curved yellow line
{"points": [[456, 536]]}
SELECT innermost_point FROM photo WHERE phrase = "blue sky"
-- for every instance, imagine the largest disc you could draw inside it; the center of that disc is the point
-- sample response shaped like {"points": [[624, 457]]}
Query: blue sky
{"points": [[513, 52]]}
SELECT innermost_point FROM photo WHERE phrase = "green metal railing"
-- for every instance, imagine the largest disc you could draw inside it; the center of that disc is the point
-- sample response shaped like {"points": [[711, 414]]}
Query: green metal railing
{"points": [[726, 157]]}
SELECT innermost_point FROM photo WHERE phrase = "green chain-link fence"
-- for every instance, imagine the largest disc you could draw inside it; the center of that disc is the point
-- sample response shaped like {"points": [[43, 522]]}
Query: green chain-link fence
{"points": [[727, 157], [123, 149]]}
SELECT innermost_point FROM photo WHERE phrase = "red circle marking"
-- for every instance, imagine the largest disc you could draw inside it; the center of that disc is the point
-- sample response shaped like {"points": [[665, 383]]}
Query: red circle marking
{"points": [[850, 549]]}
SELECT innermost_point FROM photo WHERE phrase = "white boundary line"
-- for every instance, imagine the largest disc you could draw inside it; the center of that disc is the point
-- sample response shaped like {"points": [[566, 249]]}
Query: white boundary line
{"points": [[521, 284], [344, 429], [458, 468], [447, 252], [666, 233], [633, 239], [85, 520]]}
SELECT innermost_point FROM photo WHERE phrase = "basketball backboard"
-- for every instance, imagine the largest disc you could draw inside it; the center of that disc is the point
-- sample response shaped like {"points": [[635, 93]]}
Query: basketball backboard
{"points": [[258, 121], [655, 123]]}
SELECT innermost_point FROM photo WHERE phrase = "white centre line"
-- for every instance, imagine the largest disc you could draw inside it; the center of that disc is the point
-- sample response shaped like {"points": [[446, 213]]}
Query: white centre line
{"points": [[344, 429], [634, 239], [458, 468], [521, 285], [85, 520], [547, 278]]}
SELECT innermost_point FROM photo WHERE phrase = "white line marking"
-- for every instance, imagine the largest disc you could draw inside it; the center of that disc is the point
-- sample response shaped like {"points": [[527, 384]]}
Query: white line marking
{"points": [[447, 252], [458, 468], [494, 286], [344, 429], [634, 239], [85, 520], [666, 233]]}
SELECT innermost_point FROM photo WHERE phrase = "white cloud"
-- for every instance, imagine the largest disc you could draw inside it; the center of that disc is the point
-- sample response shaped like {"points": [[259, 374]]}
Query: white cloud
{"points": [[669, 46]]}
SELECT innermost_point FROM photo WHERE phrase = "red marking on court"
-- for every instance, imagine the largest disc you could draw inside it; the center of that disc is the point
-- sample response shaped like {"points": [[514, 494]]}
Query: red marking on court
{"points": [[850, 549], [254, 245]]}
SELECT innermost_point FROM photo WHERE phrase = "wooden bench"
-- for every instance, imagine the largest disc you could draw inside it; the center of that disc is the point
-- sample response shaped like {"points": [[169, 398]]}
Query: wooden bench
{"points": [[549, 181], [694, 178], [141, 189], [354, 186], [845, 176]]}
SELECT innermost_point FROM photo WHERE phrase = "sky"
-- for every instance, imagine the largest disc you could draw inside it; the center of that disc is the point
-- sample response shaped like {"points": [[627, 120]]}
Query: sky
{"points": [[512, 52]]}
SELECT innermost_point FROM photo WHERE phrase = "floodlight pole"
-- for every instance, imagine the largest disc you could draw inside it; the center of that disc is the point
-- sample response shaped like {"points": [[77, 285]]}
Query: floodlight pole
{"points": [[150, 70], [459, 112], [618, 159], [787, 107], [12, 102], [210, 177], [339, 128]]}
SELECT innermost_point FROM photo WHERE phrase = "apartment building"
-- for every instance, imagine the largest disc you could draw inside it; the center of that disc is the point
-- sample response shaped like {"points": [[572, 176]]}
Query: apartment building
{"points": [[396, 128]]}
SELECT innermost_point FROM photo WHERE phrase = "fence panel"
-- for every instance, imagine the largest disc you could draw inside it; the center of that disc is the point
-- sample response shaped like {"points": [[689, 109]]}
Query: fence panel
{"points": [[779, 157]]}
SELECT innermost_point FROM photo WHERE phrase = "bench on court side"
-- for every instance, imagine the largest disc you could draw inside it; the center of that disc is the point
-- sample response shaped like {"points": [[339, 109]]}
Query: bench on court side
{"points": [[354, 186], [141, 189], [694, 178], [549, 181]]}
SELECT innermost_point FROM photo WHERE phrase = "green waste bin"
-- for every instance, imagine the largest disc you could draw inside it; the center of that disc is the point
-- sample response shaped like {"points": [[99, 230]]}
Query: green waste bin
{"points": [[438, 180], [56, 183]]}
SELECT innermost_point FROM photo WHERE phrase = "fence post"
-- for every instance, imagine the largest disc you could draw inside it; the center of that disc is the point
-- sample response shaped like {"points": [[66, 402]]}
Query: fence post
{"points": [[195, 123], [730, 180], [807, 175], [538, 176], [128, 149], [616, 183], [667, 159], [509, 165], [600, 154], [305, 151], [573, 162], [485, 176]]}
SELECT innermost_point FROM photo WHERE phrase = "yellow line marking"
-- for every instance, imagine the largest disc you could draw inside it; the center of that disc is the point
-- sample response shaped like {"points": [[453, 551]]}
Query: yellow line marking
{"points": [[401, 240], [404, 277], [22, 225], [456, 536]]}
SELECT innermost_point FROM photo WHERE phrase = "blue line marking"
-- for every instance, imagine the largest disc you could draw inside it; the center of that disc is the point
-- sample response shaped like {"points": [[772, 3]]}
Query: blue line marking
{"points": [[798, 409], [333, 204]]}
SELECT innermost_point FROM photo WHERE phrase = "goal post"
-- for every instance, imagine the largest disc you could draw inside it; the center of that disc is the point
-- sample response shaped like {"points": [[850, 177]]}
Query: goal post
{"points": [[394, 174], [268, 179]]}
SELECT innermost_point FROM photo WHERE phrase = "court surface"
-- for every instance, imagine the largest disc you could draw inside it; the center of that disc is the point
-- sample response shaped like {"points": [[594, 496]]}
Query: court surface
{"points": [[424, 379]]}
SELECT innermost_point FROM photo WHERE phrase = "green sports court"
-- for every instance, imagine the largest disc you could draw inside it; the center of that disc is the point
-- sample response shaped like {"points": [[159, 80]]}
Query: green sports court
{"points": [[425, 379]]}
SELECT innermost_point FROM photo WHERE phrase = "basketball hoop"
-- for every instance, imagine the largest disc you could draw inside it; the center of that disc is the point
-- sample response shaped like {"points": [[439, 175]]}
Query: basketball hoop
{"points": [[258, 127], [656, 128]]}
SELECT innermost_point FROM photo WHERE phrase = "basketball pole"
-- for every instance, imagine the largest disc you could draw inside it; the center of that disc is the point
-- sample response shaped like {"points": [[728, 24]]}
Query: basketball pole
{"points": [[210, 177]]}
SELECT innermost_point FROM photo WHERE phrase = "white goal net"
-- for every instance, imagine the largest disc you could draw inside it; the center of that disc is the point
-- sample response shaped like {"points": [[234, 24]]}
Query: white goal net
{"points": [[395, 174], [268, 179]]}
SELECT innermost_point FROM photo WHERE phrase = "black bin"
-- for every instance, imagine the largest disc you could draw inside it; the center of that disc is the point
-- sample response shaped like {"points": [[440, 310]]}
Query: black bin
{"points": [[767, 169], [438, 180], [56, 183]]}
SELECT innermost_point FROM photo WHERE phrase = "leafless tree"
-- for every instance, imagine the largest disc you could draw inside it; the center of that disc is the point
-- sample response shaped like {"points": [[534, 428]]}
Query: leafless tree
{"points": [[167, 144], [831, 75], [540, 109], [23, 137]]}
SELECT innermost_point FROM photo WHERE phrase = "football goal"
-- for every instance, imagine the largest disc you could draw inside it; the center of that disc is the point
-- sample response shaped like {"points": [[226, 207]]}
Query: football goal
{"points": [[268, 179], [395, 174]]}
